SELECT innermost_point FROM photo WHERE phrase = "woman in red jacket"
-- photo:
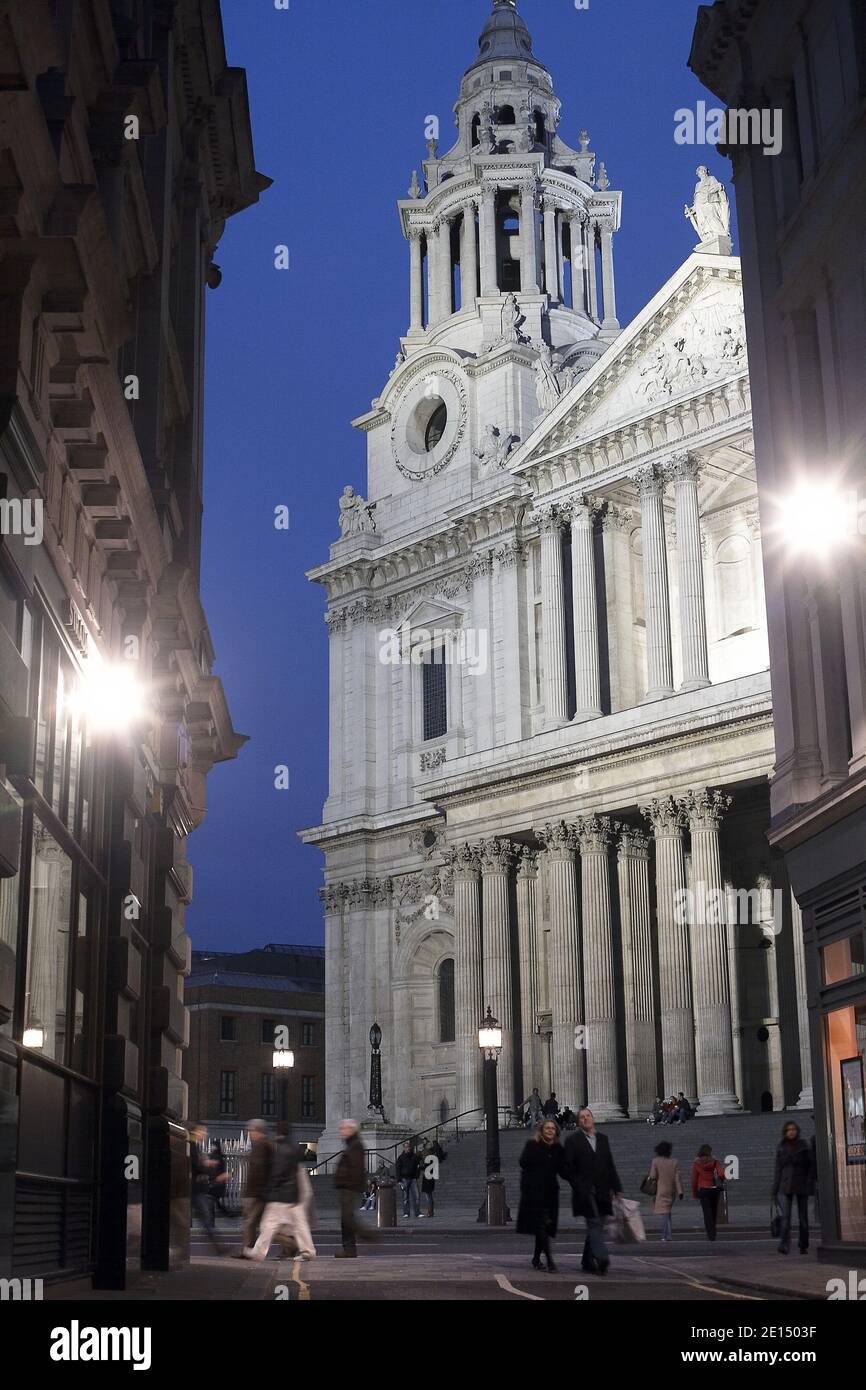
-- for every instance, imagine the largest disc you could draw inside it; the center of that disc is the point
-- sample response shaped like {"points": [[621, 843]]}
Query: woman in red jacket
{"points": [[708, 1179]]}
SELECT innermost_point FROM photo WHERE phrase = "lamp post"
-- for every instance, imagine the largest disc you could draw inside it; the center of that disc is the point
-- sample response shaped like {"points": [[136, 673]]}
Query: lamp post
{"points": [[284, 1060], [493, 1210], [376, 1073]]}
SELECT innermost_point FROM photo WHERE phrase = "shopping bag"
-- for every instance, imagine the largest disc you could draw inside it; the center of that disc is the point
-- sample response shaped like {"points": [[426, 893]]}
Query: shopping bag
{"points": [[722, 1209], [629, 1222], [775, 1219]]}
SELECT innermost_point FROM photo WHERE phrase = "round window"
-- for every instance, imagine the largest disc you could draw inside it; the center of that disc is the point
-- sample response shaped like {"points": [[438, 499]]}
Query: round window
{"points": [[436, 427], [427, 424]]}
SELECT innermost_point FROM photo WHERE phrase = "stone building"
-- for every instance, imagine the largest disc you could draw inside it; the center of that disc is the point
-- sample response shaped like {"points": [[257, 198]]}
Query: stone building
{"points": [[124, 147], [551, 730], [236, 1001], [803, 227]]}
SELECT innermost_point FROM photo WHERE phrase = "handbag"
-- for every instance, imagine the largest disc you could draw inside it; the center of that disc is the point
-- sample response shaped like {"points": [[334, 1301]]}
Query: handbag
{"points": [[722, 1208], [650, 1185], [775, 1219]]}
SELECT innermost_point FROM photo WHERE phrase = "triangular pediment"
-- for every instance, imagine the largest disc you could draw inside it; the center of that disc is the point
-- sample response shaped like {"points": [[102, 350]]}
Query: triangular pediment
{"points": [[689, 339]]}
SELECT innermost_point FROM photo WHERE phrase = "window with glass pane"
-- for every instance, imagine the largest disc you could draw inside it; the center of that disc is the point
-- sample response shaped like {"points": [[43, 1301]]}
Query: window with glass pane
{"points": [[228, 1028], [48, 944], [308, 1097], [308, 1034], [447, 1022], [434, 694], [845, 1050], [8, 936], [843, 959], [81, 978], [268, 1027], [269, 1094], [227, 1093]]}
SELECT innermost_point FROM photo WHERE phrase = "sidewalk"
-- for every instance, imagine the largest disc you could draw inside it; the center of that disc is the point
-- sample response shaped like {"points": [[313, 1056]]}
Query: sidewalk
{"points": [[794, 1275], [206, 1277]]}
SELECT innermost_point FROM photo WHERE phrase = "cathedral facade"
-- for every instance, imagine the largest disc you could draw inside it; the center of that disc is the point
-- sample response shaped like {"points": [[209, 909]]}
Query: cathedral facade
{"points": [[550, 718]]}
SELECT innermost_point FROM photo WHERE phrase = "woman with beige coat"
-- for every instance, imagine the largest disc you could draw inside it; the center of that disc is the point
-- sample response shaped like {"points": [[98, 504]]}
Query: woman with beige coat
{"points": [[668, 1185]]}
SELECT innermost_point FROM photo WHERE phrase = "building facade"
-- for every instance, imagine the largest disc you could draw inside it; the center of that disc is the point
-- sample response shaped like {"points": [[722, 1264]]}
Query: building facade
{"points": [[551, 730], [124, 147], [803, 227], [237, 1001]]}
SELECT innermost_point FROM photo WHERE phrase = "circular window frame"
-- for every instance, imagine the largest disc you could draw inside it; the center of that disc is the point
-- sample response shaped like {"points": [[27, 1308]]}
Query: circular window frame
{"points": [[431, 388]]}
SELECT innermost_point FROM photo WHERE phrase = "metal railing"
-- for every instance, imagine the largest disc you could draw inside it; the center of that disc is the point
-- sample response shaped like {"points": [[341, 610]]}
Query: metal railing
{"points": [[509, 1118]]}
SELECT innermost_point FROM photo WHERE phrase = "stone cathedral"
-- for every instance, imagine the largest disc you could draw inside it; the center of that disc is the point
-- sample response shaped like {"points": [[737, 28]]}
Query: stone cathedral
{"points": [[550, 719]]}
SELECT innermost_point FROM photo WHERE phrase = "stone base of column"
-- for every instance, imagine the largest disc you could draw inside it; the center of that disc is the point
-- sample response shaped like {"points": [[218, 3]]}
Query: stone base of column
{"points": [[556, 723], [805, 1100], [700, 684], [662, 692], [725, 1103], [583, 714], [605, 1112], [609, 330]]}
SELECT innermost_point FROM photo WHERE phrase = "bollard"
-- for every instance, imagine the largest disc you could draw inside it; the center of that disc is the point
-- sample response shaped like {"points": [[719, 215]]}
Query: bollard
{"points": [[496, 1212], [386, 1204]]}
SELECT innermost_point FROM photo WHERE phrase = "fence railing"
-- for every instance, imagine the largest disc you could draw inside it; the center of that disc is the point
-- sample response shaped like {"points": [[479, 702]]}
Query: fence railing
{"points": [[452, 1129]]}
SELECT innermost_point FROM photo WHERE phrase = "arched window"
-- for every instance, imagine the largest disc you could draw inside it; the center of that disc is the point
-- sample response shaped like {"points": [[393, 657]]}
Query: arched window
{"points": [[476, 129], [505, 116], [447, 1021], [540, 132]]}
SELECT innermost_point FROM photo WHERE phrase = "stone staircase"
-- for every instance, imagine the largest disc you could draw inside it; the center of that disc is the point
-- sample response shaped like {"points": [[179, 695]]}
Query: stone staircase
{"points": [[751, 1140]]}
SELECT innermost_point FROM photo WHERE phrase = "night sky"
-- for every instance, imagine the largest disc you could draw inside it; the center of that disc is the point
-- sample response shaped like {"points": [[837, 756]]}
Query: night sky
{"points": [[339, 93]]}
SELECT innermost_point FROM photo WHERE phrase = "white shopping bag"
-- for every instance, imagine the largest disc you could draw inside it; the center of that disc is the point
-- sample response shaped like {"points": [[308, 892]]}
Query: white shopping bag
{"points": [[629, 1222]]}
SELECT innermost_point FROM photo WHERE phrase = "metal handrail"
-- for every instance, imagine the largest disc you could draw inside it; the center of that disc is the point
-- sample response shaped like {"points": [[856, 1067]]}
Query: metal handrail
{"points": [[507, 1110]]}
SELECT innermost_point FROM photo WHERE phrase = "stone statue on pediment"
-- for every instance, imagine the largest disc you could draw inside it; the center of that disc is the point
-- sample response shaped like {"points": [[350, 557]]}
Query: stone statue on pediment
{"points": [[710, 213], [547, 384], [496, 447], [356, 515]]}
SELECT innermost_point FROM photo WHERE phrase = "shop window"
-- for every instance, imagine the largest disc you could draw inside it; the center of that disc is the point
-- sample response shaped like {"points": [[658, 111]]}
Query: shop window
{"points": [[842, 960], [845, 1049]]}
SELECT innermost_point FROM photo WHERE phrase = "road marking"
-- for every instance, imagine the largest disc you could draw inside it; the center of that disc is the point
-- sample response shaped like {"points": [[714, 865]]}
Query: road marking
{"points": [[708, 1288], [509, 1288]]}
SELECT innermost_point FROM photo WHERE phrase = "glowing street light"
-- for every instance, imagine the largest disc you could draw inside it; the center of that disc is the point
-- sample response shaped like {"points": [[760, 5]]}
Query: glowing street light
{"points": [[109, 697], [34, 1036], [817, 519]]}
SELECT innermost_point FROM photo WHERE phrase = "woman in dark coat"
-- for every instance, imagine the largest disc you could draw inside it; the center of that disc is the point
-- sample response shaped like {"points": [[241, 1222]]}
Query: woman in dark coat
{"points": [[538, 1213], [794, 1177]]}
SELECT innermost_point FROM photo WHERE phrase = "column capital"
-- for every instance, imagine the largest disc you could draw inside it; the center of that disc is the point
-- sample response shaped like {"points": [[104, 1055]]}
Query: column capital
{"points": [[583, 508], [488, 192], [650, 482], [594, 834], [528, 865], [705, 808], [471, 204], [665, 815], [464, 860], [615, 518], [549, 518], [683, 468], [333, 896], [631, 843], [550, 203], [559, 840], [416, 233], [496, 856], [527, 188]]}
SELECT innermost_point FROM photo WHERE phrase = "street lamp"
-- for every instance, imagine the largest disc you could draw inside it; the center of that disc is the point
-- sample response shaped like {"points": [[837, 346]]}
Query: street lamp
{"points": [[284, 1060], [493, 1210], [817, 518], [376, 1073], [109, 696]]}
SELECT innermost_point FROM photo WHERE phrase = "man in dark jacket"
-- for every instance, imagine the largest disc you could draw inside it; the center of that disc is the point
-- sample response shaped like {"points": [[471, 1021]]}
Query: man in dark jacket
{"points": [[794, 1176], [350, 1179], [201, 1173], [284, 1212], [550, 1108], [589, 1167], [258, 1172], [408, 1168]]}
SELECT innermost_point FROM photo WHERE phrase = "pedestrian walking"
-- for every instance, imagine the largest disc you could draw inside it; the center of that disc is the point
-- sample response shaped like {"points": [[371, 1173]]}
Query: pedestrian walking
{"points": [[708, 1182], [666, 1185], [256, 1185], [350, 1180], [285, 1210], [408, 1168], [219, 1176], [550, 1108], [794, 1176], [533, 1107], [201, 1173], [432, 1155], [541, 1164], [589, 1167]]}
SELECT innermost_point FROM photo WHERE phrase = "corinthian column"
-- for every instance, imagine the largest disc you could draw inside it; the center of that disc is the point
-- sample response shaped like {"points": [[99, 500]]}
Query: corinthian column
{"points": [[444, 274], [566, 998], [589, 237], [712, 997], [608, 283], [640, 1028], [528, 239], [602, 1081], [587, 679], [660, 679], [468, 1008], [496, 856], [551, 259], [578, 264], [527, 932], [684, 471], [675, 995], [469, 258], [806, 1099], [416, 282], [487, 238], [553, 618]]}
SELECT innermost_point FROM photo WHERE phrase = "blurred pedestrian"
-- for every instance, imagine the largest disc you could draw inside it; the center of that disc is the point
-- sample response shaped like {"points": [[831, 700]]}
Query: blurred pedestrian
{"points": [[432, 1155], [201, 1172], [550, 1108], [541, 1164], [708, 1181], [665, 1173], [794, 1176], [533, 1107], [255, 1188], [285, 1211], [589, 1167], [350, 1180]]}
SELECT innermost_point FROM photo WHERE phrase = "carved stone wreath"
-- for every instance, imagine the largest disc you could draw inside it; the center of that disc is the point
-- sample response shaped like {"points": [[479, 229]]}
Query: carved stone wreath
{"points": [[406, 404]]}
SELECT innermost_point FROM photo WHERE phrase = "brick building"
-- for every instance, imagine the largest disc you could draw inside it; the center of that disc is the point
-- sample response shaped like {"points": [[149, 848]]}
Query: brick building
{"points": [[124, 146], [236, 1002]]}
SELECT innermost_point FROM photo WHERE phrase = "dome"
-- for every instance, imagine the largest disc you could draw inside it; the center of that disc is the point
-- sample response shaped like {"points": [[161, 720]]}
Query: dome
{"points": [[504, 36]]}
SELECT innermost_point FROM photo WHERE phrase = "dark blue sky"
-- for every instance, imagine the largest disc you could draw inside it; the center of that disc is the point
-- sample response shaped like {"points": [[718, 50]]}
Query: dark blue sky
{"points": [[339, 94]]}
